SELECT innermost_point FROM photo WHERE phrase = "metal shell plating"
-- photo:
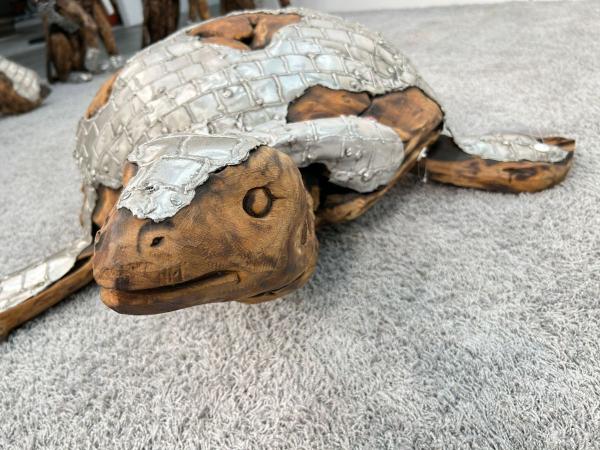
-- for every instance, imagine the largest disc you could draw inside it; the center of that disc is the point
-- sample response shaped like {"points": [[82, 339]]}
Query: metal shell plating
{"points": [[171, 167], [25, 81], [361, 154], [182, 84], [511, 147]]}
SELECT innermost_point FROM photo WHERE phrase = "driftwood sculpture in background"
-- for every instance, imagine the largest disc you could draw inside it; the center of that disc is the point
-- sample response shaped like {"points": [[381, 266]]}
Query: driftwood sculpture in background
{"points": [[71, 29], [198, 10], [21, 89], [161, 17], [210, 159], [96, 10]]}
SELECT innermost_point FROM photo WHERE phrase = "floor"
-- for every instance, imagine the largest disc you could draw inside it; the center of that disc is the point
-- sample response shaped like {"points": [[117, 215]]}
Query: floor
{"points": [[443, 318]]}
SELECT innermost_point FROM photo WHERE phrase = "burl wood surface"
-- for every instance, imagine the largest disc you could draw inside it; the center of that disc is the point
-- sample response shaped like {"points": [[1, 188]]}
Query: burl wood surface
{"points": [[101, 96], [65, 54], [413, 115]]}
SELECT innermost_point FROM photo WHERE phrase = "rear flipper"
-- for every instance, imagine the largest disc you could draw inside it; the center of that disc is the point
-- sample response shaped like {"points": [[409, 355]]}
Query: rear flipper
{"points": [[508, 163]]}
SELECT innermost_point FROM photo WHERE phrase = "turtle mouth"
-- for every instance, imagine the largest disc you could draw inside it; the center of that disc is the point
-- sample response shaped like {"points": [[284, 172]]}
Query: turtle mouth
{"points": [[200, 290], [216, 278]]}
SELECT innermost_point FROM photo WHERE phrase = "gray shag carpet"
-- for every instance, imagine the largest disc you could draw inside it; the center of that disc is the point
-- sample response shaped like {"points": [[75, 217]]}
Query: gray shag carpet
{"points": [[443, 318]]}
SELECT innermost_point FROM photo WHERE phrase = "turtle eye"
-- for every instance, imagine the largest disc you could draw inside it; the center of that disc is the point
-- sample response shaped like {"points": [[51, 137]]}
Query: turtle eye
{"points": [[258, 202]]}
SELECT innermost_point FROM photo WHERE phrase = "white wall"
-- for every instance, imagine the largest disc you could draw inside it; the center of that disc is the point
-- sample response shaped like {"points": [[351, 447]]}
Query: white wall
{"points": [[357, 5], [131, 10]]}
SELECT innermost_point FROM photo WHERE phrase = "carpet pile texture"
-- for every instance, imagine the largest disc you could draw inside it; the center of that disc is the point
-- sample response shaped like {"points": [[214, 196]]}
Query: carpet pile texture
{"points": [[443, 318]]}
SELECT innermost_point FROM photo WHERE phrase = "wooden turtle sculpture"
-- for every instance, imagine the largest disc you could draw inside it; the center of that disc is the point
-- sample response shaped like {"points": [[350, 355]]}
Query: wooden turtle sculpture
{"points": [[211, 157], [21, 89]]}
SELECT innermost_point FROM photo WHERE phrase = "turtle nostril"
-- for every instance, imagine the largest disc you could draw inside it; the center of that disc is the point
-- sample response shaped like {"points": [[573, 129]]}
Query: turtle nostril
{"points": [[156, 241]]}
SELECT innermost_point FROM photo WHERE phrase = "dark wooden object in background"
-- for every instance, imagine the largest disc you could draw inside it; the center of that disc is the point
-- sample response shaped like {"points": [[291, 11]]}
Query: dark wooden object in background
{"points": [[161, 18], [65, 50], [95, 9], [12, 103], [198, 10]]}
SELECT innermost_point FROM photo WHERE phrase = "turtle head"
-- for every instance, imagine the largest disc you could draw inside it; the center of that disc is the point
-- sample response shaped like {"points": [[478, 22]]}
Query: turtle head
{"points": [[247, 235]]}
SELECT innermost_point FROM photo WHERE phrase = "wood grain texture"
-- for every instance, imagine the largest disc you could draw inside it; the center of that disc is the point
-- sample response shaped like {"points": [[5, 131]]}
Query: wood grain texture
{"points": [[101, 96], [77, 278], [252, 30], [64, 56], [198, 10], [104, 27], [266, 25], [319, 102], [411, 113], [236, 27], [446, 163], [107, 199], [248, 235]]}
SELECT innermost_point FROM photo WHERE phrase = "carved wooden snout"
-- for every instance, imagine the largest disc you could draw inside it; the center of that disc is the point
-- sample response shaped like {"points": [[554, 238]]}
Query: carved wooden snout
{"points": [[248, 235]]}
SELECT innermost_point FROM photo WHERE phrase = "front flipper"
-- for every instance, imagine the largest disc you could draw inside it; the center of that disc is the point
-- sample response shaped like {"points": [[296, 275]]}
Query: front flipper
{"points": [[507, 163], [15, 310], [29, 292]]}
